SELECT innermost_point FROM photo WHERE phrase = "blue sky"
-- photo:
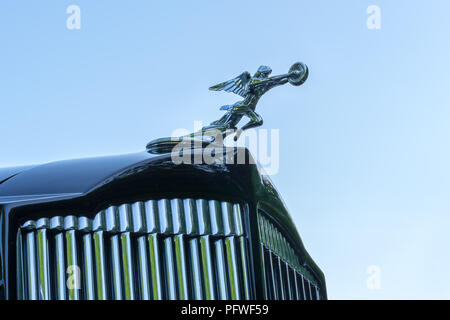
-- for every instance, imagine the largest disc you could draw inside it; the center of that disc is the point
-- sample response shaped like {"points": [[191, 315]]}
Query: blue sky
{"points": [[364, 148]]}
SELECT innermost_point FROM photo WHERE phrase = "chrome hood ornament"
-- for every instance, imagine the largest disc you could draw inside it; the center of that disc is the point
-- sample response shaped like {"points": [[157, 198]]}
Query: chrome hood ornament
{"points": [[251, 88]]}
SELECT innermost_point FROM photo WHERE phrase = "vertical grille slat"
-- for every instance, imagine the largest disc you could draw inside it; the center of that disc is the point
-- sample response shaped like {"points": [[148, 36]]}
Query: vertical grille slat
{"points": [[233, 272], [245, 268], [170, 269], [282, 280], [306, 289], [43, 263], [31, 266], [116, 268], [197, 282], [204, 217], [85, 226], [191, 216], [207, 267], [273, 276], [237, 216], [221, 270], [302, 287], [292, 285], [297, 295], [125, 228], [180, 258], [155, 267], [165, 216], [100, 265], [228, 219], [127, 266], [143, 261], [215, 210], [20, 266], [73, 281], [88, 267], [60, 264], [155, 249]]}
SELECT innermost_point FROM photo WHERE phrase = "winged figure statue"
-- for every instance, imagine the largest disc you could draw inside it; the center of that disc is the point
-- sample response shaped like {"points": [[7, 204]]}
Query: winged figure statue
{"points": [[251, 88]]}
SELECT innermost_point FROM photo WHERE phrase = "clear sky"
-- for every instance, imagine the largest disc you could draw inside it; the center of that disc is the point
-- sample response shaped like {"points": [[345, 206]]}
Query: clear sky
{"points": [[364, 155]]}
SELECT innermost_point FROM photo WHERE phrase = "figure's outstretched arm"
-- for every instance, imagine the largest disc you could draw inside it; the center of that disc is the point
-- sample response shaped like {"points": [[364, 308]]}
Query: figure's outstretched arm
{"points": [[269, 83]]}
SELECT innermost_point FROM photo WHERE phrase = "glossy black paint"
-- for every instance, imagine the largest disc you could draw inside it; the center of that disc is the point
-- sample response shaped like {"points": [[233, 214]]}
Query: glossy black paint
{"points": [[86, 186], [7, 173]]}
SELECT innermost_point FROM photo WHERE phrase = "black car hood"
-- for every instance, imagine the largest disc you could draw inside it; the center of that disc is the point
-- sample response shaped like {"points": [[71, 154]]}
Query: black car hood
{"points": [[64, 177], [7, 173]]}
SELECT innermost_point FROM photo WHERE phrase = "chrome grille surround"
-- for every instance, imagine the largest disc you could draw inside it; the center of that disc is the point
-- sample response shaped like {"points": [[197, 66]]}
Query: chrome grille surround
{"points": [[156, 249], [284, 276]]}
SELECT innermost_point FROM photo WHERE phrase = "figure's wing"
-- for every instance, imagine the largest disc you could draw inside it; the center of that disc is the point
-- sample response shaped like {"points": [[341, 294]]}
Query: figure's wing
{"points": [[237, 85]]}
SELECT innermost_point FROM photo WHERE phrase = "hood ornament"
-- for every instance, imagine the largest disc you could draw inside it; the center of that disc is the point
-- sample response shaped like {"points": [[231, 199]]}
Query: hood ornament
{"points": [[251, 88]]}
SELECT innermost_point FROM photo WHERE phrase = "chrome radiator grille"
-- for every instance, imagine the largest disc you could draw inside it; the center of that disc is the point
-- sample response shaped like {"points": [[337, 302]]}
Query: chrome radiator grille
{"points": [[158, 249], [285, 278]]}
